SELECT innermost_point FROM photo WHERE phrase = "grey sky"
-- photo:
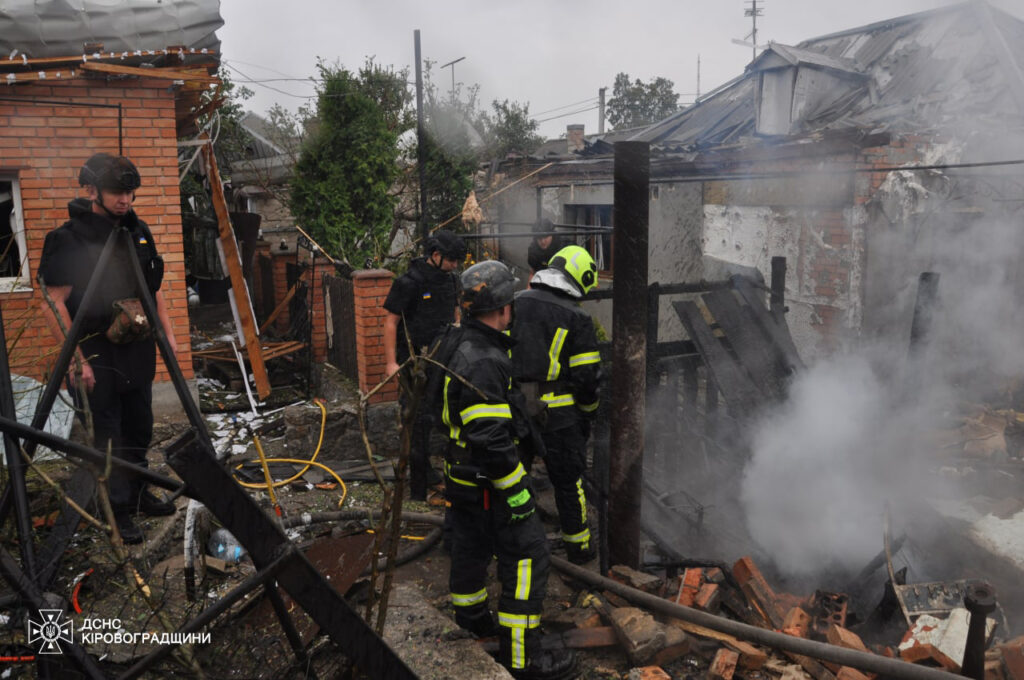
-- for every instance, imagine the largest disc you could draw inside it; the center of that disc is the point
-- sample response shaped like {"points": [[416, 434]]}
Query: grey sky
{"points": [[552, 54]]}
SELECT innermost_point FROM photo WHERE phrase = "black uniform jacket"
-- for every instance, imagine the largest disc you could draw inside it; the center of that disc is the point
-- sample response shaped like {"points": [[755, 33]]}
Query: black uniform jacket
{"points": [[556, 346], [427, 297]]}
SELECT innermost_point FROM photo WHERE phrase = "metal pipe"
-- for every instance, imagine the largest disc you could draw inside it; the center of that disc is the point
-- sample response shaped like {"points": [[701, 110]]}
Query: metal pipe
{"points": [[85, 453], [16, 464], [980, 600], [864, 661], [629, 350], [777, 297]]}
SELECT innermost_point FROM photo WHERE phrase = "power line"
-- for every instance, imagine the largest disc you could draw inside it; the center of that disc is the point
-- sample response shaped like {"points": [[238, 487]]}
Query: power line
{"points": [[559, 108], [269, 87], [566, 115]]}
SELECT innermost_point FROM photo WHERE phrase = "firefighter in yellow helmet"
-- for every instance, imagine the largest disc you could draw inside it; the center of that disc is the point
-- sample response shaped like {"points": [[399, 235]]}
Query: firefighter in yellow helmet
{"points": [[557, 363]]}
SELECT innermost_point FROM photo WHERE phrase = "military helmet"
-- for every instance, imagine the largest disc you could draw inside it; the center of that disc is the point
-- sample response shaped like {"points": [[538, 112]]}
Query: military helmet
{"points": [[578, 265], [447, 243], [486, 286], [111, 173]]}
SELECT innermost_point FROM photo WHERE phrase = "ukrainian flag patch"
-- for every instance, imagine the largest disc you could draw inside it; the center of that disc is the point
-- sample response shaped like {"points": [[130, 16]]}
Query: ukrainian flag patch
{"points": [[426, 296]]}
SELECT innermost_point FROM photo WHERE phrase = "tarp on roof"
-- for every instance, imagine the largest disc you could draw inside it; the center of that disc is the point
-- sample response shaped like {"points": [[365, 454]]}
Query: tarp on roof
{"points": [[60, 28]]}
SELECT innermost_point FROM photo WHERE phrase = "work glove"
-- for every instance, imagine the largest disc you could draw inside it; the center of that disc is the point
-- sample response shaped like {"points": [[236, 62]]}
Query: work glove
{"points": [[520, 504]]}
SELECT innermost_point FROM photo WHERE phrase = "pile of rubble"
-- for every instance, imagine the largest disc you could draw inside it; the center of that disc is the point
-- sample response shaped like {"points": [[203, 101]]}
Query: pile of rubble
{"points": [[736, 625]]}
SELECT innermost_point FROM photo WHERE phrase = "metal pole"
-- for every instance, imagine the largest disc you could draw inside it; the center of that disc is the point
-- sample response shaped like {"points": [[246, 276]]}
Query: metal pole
{"points": [[980, 601], [924, 307], [16, 464], [777, 297], [421, 140], [629, 350], [600, 110]]}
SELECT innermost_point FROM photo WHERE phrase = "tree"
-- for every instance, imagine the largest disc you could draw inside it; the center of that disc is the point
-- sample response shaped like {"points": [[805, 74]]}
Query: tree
{"points": [[635, 104], [510, 129], [341, 190]]}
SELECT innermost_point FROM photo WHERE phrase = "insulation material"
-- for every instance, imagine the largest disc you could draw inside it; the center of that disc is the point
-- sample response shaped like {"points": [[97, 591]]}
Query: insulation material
{"points": [[59, 28]]}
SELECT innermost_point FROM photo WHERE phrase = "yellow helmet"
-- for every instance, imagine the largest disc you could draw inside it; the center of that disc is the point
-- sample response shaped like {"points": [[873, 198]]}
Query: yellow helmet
{"points": [[578, 265]]}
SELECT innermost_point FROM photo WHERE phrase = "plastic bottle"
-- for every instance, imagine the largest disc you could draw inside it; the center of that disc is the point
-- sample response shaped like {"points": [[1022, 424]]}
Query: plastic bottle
{"points": [[225, 546]]}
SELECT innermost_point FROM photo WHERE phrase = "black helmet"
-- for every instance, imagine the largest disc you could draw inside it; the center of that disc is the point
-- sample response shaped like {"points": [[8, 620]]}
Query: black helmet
{"points": [[486, 286], [447, 243], [112, 173], [545, 225]]}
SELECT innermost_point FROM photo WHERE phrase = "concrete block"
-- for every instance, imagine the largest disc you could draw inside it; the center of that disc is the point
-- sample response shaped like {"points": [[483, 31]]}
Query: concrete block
{"points": [[636, 579], [640, 635]]}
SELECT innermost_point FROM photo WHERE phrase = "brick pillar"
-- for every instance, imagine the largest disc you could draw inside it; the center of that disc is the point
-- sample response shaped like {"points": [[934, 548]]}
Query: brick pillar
{"points": [[322, 267], [370, 288], [279, 261]]}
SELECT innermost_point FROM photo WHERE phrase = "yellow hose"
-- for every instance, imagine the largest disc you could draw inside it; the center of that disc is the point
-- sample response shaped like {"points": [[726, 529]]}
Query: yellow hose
{"points": [[270, 486]]}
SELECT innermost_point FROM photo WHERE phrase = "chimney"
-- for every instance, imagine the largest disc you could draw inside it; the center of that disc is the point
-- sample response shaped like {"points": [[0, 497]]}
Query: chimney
{"points": [[574, 136]]}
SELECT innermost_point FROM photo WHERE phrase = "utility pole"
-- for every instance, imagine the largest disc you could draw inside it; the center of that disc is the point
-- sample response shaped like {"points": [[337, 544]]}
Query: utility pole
{"points": [[421, 141], [452, 64], [698, 80], [754, 11], [600, 110]]}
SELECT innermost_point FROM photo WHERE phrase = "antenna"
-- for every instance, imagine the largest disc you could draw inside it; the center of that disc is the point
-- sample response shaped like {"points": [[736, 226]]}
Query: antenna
{"points": [[754, 10]]}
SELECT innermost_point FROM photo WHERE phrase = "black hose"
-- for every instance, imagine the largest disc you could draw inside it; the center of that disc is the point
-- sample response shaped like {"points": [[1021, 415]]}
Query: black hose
{"points": [[865, 661]]}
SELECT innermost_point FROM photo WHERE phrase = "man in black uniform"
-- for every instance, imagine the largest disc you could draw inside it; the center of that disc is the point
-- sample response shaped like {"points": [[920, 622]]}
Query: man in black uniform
{"points": [[492, 506], [558, 366], [543, 246], [421, 303], [115, 372]]}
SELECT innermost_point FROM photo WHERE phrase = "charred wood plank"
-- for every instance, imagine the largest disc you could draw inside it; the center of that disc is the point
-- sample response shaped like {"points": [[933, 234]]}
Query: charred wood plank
{"points": [[751, 347], [741, 394], [773, 325]]}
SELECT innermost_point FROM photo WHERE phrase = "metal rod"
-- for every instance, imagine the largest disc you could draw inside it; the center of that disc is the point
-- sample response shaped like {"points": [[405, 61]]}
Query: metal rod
{"points": [[864, 661], [60, 367], [290, 632], [15, 463], [209, 614], [777, 296], [980, 600], [421, 140], [629, 350], [85, 453]]}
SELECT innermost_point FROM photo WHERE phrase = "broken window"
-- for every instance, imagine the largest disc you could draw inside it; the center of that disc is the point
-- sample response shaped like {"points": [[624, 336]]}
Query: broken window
{"points": [[600, 244], [14, 271]]}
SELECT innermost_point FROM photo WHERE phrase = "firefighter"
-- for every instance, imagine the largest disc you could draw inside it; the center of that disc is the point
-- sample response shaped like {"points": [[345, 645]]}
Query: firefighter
{"points": [[492, 506], [558, 367], [422, 301]]}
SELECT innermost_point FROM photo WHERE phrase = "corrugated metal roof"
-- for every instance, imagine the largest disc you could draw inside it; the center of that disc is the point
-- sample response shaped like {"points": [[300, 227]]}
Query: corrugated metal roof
{"points": [[922, 71], [59, 28]]}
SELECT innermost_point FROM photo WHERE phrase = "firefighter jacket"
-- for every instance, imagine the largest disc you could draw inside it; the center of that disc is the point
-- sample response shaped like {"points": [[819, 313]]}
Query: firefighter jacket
{"points": [[556, 355], [479, 420], [426, 297]]}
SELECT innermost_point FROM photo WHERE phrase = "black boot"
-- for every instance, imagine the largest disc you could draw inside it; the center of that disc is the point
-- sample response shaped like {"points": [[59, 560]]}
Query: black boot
{"points": [[540, 664], [480, 622], [152, 506], [580, 553]]}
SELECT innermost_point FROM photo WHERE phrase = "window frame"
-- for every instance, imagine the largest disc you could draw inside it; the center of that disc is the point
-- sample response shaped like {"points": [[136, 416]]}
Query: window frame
{"points": [[594, 214], [22, 282]]}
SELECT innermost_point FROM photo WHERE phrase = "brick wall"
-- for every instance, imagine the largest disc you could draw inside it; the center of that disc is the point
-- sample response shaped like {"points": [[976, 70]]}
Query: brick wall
{"points": [[371, 287], [45, 145]]}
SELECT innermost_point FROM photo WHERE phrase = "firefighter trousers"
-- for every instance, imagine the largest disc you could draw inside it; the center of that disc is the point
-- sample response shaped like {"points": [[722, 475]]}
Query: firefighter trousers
{"points": [[523, 563], [566, 459]]}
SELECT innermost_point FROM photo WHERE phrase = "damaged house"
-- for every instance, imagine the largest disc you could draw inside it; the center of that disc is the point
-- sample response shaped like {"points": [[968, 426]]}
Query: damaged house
{"points": [[793, 158]]}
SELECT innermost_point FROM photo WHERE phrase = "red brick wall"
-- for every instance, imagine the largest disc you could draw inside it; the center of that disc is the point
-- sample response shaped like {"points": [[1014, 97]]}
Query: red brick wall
{"points": [[45, 145], [371, 287]]}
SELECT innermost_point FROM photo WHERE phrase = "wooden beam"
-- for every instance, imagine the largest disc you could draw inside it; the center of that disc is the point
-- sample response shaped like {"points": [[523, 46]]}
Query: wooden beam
{"points": [[163, 73], [34, 76], [234, 265], [77, 58], [280, 307]]}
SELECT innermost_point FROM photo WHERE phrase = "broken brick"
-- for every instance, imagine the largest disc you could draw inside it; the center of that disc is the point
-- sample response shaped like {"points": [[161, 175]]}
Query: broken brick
{"points": [[574, 617], [689, 588], [714, 575], [751, 657], [842, 637], [847, 673], [649, 673], [724, 665], [1013, 659], [758, 592], [708, 598], [677, 644], [797, 623]]}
